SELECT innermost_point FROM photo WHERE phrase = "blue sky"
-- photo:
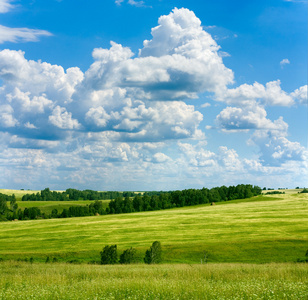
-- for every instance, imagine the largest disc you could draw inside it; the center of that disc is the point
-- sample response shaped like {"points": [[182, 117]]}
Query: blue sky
{"points": [[153, 94]]}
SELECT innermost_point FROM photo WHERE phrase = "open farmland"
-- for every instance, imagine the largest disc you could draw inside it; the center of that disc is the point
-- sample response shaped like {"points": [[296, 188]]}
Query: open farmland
{"points": [[258, 230]]}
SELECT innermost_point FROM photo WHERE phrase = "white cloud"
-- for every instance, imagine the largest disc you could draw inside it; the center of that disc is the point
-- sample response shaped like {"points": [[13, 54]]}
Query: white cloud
{"points": [[271, 94], [17, 35], [249, 117], [5, 6], [6, 117], [63, 119], [198, 155], [126, 114], [180, 61], [284, 62], [276, 149], [160, 158], [301, 94]]}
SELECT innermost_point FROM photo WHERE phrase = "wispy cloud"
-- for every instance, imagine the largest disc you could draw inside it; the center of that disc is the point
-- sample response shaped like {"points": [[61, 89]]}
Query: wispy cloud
{"points": [[284, 62], [5, 6], [16, 35]]}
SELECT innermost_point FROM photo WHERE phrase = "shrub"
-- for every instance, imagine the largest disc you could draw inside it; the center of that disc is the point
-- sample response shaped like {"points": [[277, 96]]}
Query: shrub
{"points": [[128, 256], [109, 255], [153, 255]]}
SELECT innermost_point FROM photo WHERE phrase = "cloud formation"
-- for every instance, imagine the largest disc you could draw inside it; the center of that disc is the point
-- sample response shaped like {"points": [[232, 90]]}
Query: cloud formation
{"points": [[127, 115]]}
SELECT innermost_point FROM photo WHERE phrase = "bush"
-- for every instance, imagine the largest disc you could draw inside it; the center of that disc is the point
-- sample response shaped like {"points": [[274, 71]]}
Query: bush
{"points": [[153, 255], [109, 255], [128, 256]]}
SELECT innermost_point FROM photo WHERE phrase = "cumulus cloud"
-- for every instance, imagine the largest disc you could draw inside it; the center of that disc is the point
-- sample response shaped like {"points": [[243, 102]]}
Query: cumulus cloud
{"points": [[127, 113], [198, 155], [180, 61], [249, 117], [301, 94], [63, 119], [276, 149], [17, 35], [271, 94]]}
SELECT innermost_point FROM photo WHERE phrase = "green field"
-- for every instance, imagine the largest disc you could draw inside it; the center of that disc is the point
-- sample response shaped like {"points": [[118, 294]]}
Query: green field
{"points": [[211, 281], [259, 230], [47, 206]]}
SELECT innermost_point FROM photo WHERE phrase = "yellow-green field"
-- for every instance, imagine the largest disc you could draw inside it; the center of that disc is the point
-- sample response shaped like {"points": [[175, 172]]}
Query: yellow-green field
{"points": [[262, 229], [211, 281], [47, 206]]}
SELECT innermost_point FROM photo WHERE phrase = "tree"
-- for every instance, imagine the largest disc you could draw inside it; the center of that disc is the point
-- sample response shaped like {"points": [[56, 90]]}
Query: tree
{"points": [[128, 256], [3, 206], [109, 255], [153, 255]]}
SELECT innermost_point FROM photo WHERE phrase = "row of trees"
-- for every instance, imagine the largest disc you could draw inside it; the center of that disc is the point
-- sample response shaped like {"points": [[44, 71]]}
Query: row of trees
{"points": [[147, 202], [165, 200], [73, 194], [109, 255], [32, 213]]}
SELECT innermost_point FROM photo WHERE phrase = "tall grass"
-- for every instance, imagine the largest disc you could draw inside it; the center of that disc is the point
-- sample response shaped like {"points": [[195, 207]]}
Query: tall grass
{"points": [[210, 281]]}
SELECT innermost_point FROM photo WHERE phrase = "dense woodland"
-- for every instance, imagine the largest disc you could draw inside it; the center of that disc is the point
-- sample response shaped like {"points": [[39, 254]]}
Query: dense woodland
{"points": [[126, 202]]}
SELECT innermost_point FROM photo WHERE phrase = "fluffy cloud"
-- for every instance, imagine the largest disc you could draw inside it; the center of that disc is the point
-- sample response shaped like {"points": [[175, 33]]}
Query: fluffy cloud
{"points": [[180, 61], [126, 116], [276, 149], [301, 95], [249, 117], [271, 94]]}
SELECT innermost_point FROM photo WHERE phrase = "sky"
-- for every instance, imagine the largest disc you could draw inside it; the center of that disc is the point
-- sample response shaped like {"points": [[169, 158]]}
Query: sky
{"points": [[153, 94]]}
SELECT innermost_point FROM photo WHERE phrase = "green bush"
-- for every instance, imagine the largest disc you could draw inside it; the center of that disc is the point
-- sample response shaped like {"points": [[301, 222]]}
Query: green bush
{"points": [[153, 255], [109, 255], [128, 256]]}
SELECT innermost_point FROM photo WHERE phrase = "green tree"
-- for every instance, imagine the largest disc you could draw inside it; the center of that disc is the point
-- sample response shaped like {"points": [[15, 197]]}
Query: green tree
{"points": [[154, 254], [3, 206], [128, 256], [109, 255], [13, 204]]}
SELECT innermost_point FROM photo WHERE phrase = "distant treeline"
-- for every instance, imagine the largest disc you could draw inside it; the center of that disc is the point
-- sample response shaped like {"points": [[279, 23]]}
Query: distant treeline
{"points": [[73, 194], [147, 202], [165, 200]]}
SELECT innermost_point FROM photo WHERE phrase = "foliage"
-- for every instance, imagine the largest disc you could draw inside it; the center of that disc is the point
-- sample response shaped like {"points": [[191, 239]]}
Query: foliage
{"points": [[154, 254], [163, 200], [128, 256], [304, 191], [109, 255]]}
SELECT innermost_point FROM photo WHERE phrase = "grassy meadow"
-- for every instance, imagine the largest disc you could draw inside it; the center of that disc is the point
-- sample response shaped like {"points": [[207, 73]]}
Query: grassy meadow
{"points": [[263, 229], [21, 280]]}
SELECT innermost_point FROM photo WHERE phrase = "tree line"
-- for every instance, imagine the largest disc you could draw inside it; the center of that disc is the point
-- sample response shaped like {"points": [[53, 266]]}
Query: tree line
{"points": [[189, 197], [146, 202], [74, 194]]}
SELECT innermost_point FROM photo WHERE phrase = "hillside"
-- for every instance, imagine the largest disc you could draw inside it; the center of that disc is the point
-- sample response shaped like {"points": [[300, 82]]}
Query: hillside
{"points": [[271, 228]]}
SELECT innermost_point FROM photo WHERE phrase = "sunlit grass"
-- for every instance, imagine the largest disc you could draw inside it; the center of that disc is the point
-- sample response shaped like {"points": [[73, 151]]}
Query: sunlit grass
{"points": [[210, 281], [262, 229]]}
